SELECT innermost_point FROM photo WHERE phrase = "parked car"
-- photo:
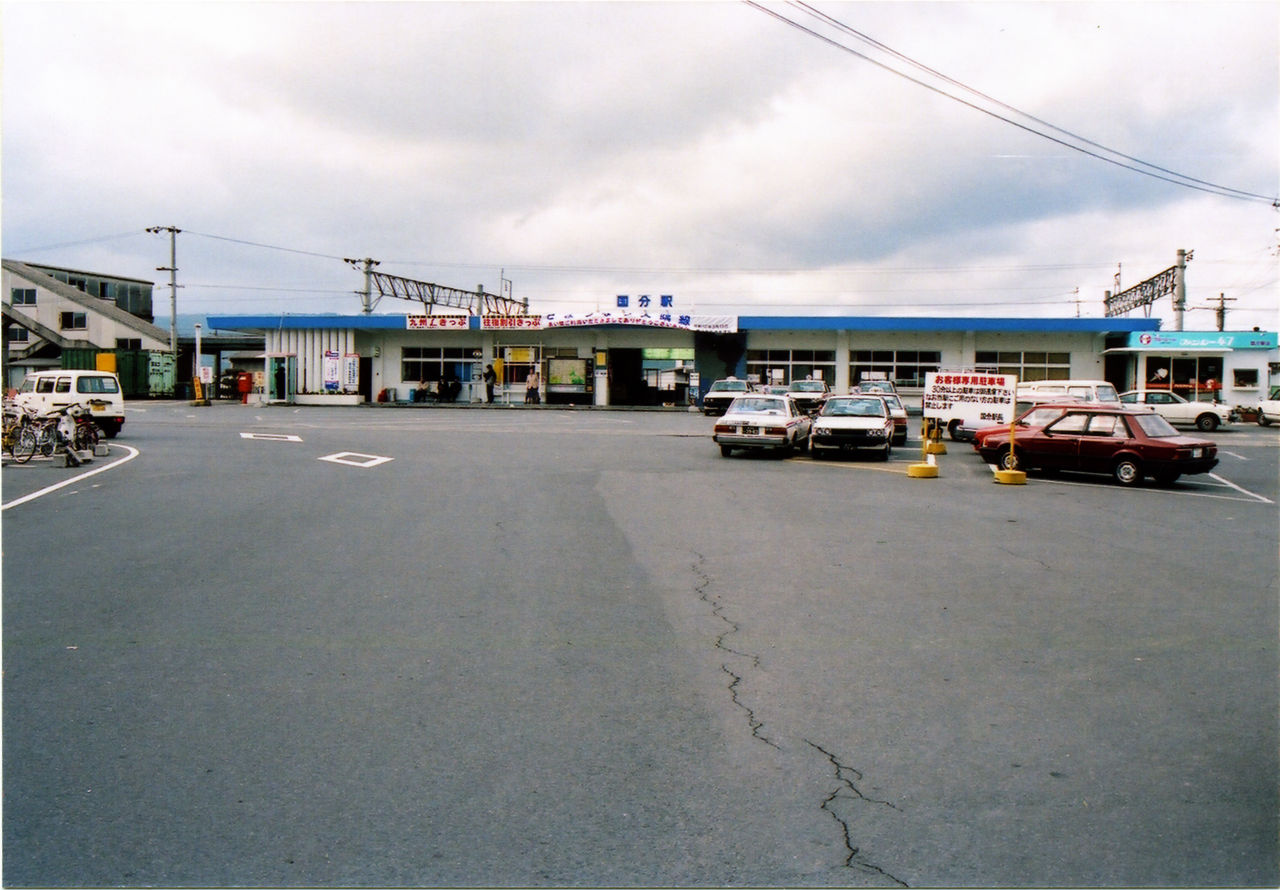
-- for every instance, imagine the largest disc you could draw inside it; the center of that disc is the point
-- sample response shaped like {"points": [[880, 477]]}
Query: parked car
{"points": [[1026, 413], [1127, 442], [98, 392], [1269, 408], [1204, 416], [877, 386], [721, 393], [852, 423], [757, 420], [1082, 390], [899, 413], [808, 394]]}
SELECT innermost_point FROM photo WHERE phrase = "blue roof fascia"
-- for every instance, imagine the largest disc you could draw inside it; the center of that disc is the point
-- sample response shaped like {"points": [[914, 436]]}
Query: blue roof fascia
{"points": [[944, 323], [745, 323], [317, 322]]}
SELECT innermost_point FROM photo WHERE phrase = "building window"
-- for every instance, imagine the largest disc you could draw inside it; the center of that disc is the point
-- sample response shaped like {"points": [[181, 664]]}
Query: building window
{"points": [[74, 321], [128, 343], [23, 296], [18, 335], [427, 364], [905, 367], [1244, 378], [781, 366], [1028, 366]]}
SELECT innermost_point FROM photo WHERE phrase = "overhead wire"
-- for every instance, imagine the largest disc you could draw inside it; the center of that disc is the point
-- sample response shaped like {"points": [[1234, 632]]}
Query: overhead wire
{"points": [[1174, 179]]}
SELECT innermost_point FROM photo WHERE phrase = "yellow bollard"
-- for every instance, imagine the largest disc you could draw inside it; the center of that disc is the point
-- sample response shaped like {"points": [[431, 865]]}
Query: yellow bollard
{"points": [[928, 469], [1011, 477]]}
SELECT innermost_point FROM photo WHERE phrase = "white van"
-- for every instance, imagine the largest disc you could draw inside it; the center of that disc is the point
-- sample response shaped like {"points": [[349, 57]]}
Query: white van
{"points": [[96, 391], [1078, 390]]}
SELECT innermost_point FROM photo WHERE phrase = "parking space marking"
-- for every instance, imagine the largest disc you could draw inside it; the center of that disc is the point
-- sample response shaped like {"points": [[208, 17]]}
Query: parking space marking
{"points": [[349, 458], [133, 452], [271, 437], [1230, 484]]}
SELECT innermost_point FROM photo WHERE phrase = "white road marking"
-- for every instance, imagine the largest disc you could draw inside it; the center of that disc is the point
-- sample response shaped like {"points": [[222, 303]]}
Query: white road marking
{"points": [[1241, 490], [133, 452], [271, 437], [348, 458]]}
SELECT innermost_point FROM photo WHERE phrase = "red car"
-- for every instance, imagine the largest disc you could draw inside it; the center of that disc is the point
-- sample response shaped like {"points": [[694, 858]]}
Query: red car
{"points": [[1127, 443]]}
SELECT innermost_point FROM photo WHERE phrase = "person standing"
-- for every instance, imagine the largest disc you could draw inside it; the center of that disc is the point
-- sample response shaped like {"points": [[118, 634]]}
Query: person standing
{"points": [[490, 378], [531, 396]]}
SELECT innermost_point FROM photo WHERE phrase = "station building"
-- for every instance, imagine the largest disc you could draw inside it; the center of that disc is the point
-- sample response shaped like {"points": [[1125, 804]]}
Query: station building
{"points": [[616, 359]]}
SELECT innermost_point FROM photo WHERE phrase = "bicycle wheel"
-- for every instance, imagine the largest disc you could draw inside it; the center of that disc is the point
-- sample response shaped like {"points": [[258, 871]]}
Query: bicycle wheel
{"points": [[47, 439], [25, 446]]}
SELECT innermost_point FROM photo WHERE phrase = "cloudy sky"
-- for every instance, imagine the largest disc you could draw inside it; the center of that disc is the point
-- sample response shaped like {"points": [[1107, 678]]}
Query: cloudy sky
{"points": [[711, 151]]}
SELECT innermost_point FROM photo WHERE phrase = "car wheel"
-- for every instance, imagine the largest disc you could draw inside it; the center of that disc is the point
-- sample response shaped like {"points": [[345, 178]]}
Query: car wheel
{"points": [[1127, 471], [884, 454], [1263, 420], [1207, 422], [953, 429], [725, 450], [1010, 459]]}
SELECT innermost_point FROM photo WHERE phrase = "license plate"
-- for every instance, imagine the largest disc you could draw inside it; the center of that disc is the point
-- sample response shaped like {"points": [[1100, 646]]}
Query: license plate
{"points": [[750, 431], [1197, 452]]}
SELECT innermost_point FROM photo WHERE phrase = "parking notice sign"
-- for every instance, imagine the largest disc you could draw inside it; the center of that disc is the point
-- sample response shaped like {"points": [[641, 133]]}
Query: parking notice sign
{"points": [[970, 396]]}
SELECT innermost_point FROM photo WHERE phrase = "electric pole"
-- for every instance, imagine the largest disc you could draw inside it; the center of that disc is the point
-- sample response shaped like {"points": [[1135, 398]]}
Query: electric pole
{"points": [[366, 299], [1180, 287], [1220, 310], [172, 269]]}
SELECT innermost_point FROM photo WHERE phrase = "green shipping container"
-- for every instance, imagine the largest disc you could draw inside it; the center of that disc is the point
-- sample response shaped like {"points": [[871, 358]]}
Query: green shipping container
{"points": [[80, 359]]}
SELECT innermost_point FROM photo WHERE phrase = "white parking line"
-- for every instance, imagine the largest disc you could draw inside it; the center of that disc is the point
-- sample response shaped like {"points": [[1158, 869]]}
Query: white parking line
{"points": [[1241, 490], [133, 452]]}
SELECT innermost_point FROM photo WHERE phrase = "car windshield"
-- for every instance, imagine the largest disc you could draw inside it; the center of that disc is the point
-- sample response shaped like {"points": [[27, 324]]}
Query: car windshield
{"points": [[729, 386], [892, 400], [806, 386], [853, 408], [1155, 426], [756, 405]]}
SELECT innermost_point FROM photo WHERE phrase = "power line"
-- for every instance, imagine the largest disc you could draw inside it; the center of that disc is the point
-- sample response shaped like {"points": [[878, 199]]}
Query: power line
{"points": [[1184, 181]]}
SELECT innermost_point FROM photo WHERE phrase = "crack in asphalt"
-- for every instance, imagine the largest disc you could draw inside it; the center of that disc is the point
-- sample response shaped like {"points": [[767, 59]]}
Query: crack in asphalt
{"points": [[846, 787], [846, 776], [735, 679]]}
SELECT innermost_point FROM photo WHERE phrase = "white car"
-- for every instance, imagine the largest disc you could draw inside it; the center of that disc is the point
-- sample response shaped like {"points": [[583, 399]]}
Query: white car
{"points": [[98, 392], [852, 423], [723, 392], [760, 421], [898, 412], [1269, 408], [1204, 416]]}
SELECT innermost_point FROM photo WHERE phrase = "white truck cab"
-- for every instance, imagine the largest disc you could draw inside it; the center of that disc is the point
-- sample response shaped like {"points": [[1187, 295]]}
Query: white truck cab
{"points": [[98, 392]]}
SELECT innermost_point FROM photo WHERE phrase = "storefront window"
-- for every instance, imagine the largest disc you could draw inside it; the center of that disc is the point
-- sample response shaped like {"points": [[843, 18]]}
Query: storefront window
{"points": [[905, 367], [1196, 377], [781, 366], [1028, 366]]}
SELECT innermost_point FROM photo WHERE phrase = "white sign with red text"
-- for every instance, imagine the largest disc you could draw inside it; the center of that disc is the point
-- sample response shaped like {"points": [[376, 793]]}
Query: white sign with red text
{"points": [[971, 397]]}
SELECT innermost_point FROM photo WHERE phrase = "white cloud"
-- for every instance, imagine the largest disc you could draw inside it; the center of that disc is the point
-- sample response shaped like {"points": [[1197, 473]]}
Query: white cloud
{"points": [[600, 148]]}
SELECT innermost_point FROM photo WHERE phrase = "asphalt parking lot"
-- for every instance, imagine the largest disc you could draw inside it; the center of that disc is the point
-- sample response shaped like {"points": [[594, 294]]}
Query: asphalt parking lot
{"points": [[334, 647]]}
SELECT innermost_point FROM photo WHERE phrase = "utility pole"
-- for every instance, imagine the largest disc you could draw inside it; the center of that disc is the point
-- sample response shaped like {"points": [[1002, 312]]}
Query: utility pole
{"points": [[1220, 310], [1180, 287], [172, 269], [366, 300]]}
